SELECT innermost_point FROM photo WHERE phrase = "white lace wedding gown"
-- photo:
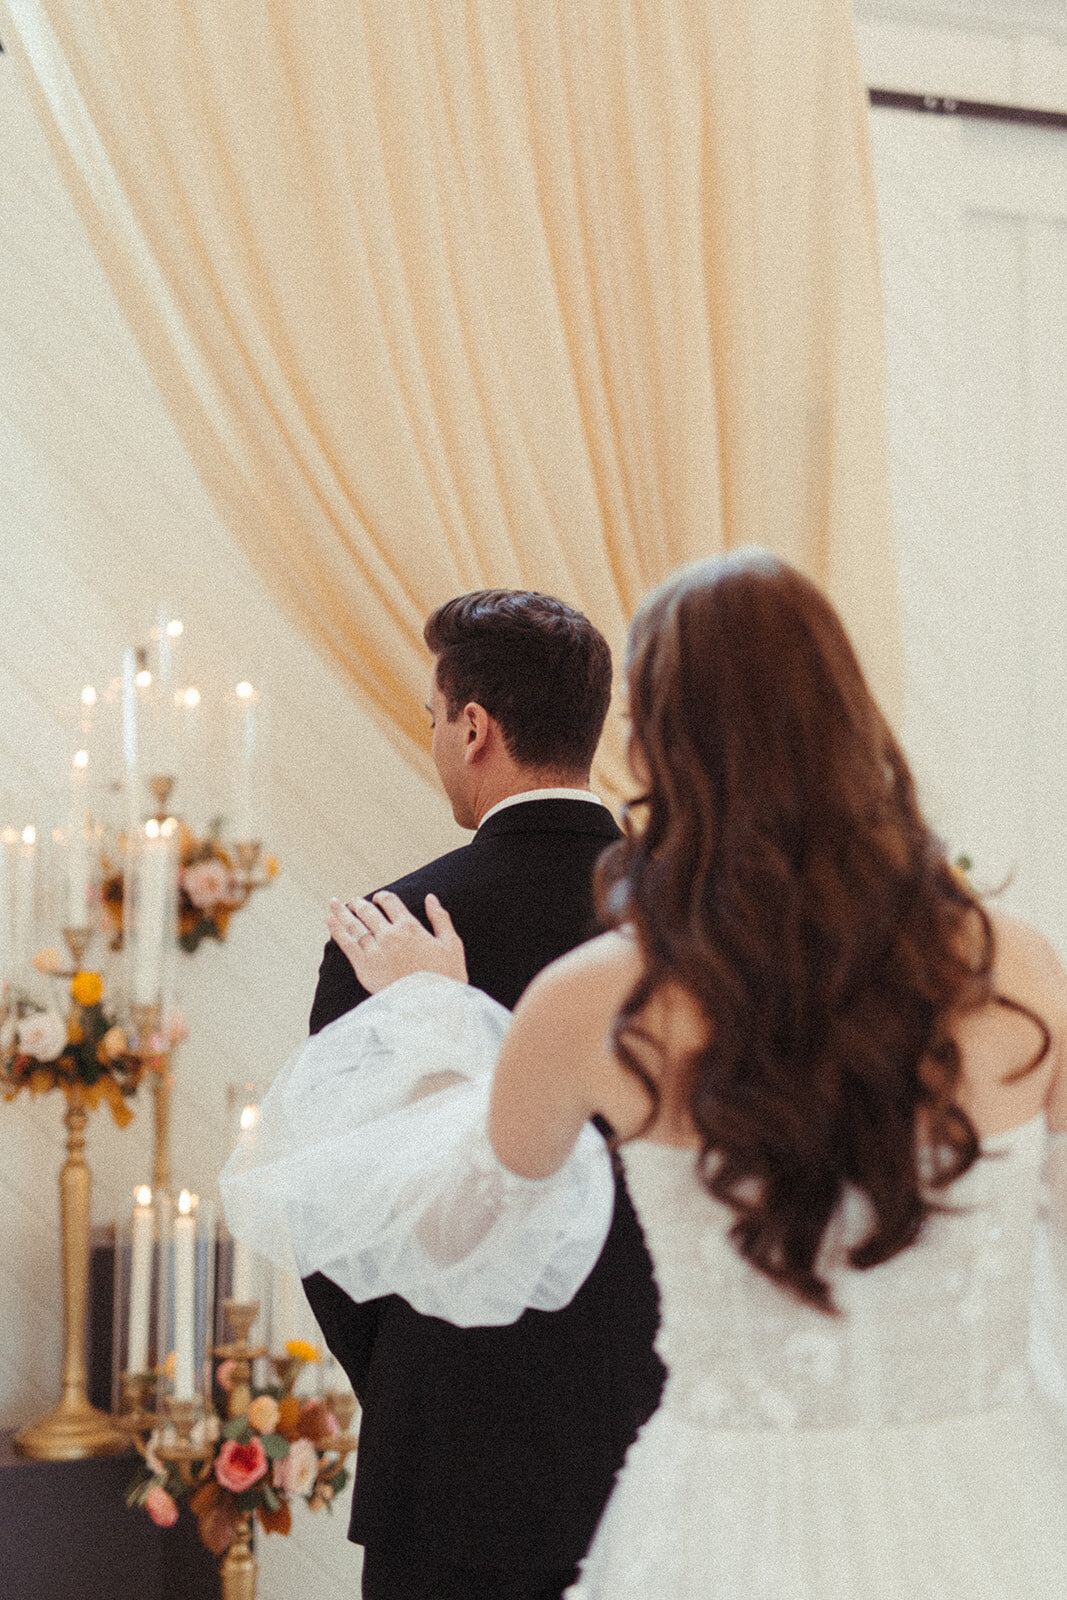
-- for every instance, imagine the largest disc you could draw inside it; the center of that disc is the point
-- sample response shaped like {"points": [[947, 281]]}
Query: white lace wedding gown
{"points": [[912, 1448]]}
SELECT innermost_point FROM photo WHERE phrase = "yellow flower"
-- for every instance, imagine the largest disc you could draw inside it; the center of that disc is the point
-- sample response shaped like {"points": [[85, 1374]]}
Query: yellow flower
{"points": [[87, 988], [270, 867], [301, 1350]]}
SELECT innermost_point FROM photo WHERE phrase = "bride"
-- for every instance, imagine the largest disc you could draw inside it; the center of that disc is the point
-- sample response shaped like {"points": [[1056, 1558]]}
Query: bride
{"points": [[837, 1085]]}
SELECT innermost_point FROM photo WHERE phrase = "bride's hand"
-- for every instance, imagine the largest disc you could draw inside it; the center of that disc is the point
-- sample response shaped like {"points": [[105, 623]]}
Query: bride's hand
{"points": [[384, 942]]}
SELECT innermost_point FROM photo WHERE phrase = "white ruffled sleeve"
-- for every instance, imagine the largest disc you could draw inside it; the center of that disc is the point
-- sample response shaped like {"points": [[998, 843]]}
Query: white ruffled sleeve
{"points": [[363, 1168]]}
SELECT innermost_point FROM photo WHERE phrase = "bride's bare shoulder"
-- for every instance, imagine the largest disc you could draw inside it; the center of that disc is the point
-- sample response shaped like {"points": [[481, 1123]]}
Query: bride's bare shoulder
{"points": [[1026, 967], [591, 980]]}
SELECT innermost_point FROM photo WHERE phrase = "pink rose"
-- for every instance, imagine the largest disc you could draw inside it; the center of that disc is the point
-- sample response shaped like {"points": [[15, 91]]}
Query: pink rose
{"points": [[161, 1506], [208, 884], [224, 1376], [43, 1036], [297, 1473], [239, 1466]]}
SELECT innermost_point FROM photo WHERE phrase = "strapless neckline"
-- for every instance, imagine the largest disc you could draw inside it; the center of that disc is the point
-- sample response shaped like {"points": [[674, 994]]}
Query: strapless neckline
{"points": [[991, 1142]]}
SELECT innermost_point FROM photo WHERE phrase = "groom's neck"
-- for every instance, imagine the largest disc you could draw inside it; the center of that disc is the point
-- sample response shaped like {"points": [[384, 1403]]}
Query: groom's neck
{"points": [[523, 780]]}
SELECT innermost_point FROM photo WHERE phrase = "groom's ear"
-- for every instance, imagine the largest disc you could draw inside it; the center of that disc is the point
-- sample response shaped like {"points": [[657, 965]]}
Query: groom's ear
{"points": [[477, 731]]}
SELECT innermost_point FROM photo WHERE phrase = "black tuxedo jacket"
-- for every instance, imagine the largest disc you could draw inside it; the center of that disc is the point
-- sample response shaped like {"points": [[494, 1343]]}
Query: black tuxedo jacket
{"points": [[498, 1447]]}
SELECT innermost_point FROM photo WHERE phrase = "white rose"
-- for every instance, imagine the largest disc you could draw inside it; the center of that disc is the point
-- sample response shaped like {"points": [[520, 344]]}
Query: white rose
{"points": [[43, 1036], [297, 1473]]}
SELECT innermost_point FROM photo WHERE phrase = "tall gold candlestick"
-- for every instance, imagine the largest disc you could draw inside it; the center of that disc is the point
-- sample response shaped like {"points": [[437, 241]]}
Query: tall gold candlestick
{"points": [[147, 1022], [74, 1428], [238, 1569], [162, 1083]]}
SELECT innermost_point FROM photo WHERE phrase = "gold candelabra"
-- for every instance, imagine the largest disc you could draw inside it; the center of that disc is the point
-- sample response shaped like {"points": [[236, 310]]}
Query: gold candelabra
{"points": [[149, 1046], [174, 1442], [74, 1428]]}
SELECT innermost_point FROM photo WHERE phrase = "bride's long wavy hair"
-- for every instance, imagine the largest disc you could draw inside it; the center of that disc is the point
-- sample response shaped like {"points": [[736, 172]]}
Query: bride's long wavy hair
{"points": [[778, 867]]}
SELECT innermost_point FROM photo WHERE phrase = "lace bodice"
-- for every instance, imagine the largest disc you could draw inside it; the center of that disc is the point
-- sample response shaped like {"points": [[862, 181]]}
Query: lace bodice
{"points": [[939, 1330]]}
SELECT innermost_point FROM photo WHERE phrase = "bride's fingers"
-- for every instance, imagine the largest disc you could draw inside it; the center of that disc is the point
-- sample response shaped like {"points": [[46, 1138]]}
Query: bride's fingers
{"points": [[439, 919], [344, 927], [392, 906], [368, 914]]}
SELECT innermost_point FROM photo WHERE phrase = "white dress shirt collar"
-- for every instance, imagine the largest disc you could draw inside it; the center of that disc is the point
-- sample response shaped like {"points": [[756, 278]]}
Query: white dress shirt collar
{"points": [[542, 794]]}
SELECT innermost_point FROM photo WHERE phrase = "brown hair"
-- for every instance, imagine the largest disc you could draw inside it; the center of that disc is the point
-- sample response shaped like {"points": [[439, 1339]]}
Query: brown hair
{"points": [[536, 665], [784, 875]]}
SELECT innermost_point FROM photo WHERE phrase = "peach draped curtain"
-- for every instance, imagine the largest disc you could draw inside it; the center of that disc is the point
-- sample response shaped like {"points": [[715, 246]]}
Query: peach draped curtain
{"points": [[445, 294]]}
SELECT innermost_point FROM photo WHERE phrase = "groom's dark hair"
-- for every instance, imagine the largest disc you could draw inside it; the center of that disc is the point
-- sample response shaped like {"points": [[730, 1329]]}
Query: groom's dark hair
{"points": [[537, 666]]}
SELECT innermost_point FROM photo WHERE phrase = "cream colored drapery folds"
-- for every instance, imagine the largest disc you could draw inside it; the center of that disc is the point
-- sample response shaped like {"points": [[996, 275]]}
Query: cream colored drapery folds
{"points": [[445, 294]]}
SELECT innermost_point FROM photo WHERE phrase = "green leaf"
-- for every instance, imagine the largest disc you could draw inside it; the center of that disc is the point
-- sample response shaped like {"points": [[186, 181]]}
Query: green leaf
{"points": [[270, 1499], [237, 1428], [275, 1446], [339, 1481], [249, 1499]]}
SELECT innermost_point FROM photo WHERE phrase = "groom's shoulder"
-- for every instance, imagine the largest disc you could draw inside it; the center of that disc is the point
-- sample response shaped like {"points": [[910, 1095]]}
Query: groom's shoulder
{"points": [[454, 867]]}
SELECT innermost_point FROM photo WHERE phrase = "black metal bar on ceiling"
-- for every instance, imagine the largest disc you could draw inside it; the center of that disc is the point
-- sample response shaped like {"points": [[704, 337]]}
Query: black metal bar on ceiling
{"points": [[983, 110]]}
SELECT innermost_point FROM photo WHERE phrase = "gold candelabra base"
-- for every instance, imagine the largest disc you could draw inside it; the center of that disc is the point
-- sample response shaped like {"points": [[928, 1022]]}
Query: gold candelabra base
{"points": [[74, 1429]]}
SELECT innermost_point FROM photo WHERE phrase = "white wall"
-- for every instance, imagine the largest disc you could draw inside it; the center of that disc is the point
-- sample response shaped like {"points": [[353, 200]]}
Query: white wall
{"points": [[101, 514], [1012, 52]]}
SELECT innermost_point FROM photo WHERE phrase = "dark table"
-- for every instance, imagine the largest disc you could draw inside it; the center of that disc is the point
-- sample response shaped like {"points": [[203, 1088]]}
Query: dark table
{"points": [[66, 1534]]}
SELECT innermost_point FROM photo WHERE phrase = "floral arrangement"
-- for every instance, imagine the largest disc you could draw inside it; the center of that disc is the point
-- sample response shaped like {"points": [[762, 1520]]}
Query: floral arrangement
{"points": [[280, 1449], [210, 888], [41, 1050]]}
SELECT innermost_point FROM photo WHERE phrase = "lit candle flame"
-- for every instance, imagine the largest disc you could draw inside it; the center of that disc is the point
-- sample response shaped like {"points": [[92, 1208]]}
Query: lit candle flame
{"points": [[88, 695], [29, 835], [143, 680], [151, 828], [175, 629], [245, 691], [249, 1117], [143, 1195], [81, 758], [188, 697], [186, 1202]]}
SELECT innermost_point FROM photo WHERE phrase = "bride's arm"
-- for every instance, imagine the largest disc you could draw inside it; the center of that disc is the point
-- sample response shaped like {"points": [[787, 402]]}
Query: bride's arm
{"points": [[557, 1067]]}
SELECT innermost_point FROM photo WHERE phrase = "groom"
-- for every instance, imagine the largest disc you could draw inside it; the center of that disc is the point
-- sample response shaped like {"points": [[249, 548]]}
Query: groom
{"points": [[486, 1454]]}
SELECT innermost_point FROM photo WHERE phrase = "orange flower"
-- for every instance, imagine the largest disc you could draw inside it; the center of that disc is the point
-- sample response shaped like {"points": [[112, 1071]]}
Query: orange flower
{"points": [[289, 1416], [87, 988]]}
